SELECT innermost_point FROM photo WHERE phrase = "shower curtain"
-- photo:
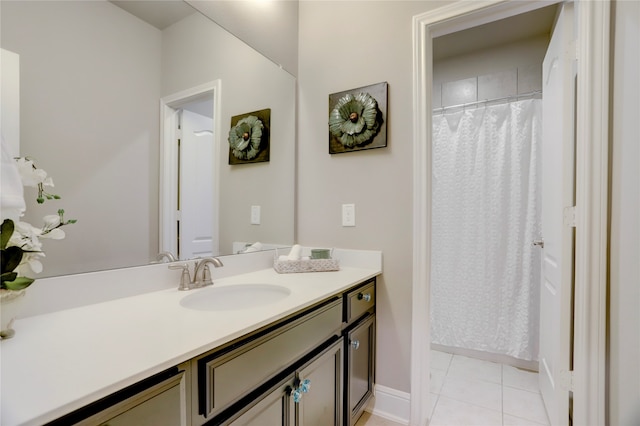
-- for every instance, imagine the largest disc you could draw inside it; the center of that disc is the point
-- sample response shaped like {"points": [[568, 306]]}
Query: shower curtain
{"points": [[485, 272]]}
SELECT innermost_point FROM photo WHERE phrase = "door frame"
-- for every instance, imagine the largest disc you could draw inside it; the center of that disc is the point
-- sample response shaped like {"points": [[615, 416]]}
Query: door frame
{"points": [[592, 193], [169, 160]]}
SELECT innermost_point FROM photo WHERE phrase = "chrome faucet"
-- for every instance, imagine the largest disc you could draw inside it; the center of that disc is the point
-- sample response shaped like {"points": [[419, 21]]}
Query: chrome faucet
{"points": [[204, 278], [201, 273], [165, 255]]}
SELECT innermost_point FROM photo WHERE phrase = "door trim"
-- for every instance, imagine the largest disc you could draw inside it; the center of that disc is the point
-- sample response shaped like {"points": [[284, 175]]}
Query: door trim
{"points": [[592, 153], [169, 160], [592, 216]]}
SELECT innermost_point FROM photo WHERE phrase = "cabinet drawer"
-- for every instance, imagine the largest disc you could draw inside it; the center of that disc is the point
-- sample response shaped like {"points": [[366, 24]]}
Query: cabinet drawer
{"points": [[359, 301], [226, 378], [159, 400]]}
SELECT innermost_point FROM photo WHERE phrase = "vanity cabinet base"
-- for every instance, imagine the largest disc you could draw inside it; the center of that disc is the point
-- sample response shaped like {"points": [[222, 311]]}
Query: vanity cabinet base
{"points": [[286, 404], [226, 378], [312, 368]]}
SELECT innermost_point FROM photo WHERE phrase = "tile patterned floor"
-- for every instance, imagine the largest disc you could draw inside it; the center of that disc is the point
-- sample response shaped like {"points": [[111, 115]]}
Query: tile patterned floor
{"points": [[469, 392]]}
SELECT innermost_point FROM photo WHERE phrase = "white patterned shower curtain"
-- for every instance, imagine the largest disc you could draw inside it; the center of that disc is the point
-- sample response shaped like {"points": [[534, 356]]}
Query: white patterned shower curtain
{"points": [[485, 272]]}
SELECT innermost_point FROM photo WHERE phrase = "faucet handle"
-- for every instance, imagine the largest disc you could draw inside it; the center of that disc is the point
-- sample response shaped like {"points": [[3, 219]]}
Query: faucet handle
{"points": [[185, 278], [206, 276]]}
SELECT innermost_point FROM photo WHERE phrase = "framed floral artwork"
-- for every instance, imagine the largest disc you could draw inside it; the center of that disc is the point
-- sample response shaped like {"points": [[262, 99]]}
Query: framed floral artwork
{"points": [[249, 137], [358, 119]]}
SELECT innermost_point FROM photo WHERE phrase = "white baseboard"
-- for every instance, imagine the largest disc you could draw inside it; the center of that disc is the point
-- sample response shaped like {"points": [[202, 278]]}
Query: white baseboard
{"points": [[390, 404]]}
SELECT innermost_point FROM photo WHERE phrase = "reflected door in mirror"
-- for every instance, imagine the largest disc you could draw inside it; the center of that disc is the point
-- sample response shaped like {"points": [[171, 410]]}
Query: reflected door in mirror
{"points": [[196, 201]]}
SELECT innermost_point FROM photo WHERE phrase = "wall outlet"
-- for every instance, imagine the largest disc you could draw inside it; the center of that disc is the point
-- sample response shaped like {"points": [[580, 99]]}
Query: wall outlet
{"points": [[255, 215], [348, 215]]}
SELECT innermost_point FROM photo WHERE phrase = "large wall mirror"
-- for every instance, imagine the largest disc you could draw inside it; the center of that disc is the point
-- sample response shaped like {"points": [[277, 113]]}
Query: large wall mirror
{"points": [[92, 77]]}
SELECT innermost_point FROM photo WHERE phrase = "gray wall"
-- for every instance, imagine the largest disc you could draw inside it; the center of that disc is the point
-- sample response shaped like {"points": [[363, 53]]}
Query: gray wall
{"points": [[624, 315], [99, 143], [196, 51], [345, 45]]}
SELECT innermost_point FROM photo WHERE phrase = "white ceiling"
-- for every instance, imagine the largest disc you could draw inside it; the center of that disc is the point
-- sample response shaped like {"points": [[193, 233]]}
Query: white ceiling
{"points": [[269, 27], [520, 27], [159, 13]]}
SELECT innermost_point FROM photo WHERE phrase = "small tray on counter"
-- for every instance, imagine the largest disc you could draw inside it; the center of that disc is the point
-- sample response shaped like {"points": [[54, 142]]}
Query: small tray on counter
{"points": [[306, 265]]}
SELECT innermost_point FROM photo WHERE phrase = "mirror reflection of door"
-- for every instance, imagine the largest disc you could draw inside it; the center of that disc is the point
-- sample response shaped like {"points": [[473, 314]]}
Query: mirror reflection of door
{"points": [[10, 93], [195, 204]]}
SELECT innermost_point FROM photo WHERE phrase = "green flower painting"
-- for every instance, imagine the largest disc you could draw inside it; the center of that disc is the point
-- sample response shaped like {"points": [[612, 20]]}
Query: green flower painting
{"points": [[356, 119]]}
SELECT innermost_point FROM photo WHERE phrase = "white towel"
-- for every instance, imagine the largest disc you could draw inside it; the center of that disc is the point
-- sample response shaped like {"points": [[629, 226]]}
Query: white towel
{"points": [[295, 253], [12, 196], [253, 248]]}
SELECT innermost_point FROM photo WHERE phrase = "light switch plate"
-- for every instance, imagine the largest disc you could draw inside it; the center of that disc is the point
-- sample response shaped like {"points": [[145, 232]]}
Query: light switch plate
{"points": [[255, 215], [348, 215]]}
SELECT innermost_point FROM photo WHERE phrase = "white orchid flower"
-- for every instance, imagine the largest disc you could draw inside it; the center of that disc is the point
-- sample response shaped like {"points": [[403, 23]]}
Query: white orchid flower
{"points": [[51, 228], [26, 237], [51, 221], [30, 175], [30, 264]]}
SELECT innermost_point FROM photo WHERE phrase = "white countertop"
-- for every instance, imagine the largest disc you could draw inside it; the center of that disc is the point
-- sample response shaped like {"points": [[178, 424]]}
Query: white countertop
{"points": [[61, 361]]}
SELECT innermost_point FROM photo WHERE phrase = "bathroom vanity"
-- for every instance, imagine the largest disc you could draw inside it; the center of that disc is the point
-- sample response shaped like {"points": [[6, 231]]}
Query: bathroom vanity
{"points": [[304, 358], [296, 371]]}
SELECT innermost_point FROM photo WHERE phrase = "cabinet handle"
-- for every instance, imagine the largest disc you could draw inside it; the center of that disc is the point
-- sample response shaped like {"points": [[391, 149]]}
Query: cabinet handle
{"points": [[366, 297], [297, 396], [303, 388], [355, 344]]}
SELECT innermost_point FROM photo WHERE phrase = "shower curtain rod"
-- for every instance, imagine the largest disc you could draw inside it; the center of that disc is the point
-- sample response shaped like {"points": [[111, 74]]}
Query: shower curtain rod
{"points": [[486, 101]]}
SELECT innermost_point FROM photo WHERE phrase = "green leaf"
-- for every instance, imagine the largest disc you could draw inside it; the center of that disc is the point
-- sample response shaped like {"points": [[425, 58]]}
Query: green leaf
{"points": [[10, 257], [8, 276], [19, 283], [6, 232]]}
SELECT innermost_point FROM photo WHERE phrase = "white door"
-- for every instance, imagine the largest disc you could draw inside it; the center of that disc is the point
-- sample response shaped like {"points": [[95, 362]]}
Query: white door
{"points": [[196, 191], [558, 183]]}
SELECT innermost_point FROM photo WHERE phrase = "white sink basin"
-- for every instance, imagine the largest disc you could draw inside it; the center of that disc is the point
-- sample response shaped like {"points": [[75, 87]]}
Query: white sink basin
{"points": [[232, 297]]}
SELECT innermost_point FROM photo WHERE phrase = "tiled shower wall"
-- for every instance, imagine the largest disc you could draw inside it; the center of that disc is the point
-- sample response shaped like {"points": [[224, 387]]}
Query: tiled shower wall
{"points": [[498, 72], [501, 84]]}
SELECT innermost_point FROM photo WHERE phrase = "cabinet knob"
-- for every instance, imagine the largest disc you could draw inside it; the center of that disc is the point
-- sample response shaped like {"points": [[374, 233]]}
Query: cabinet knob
{"points": [[355, 344], [366, 297], [304, 387]]}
